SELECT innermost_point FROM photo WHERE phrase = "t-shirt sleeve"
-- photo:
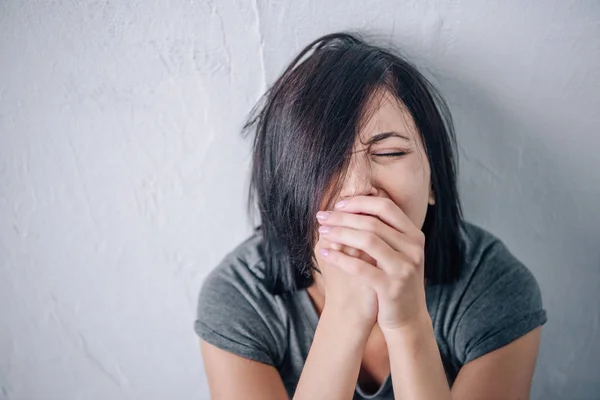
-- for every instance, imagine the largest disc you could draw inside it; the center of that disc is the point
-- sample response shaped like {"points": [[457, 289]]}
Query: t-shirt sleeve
{"points": [[501, 303], [234, 314]]}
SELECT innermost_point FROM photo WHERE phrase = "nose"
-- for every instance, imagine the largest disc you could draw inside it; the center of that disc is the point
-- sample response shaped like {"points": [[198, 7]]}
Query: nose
{"points": [[359, 181]]}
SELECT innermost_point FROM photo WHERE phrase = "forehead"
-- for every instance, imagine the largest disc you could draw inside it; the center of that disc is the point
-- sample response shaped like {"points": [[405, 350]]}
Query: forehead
{"points": [[386, 113]]}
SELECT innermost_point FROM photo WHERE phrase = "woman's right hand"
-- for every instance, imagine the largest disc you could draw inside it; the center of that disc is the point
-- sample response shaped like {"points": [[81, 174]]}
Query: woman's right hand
{"points": [[345, 295]]}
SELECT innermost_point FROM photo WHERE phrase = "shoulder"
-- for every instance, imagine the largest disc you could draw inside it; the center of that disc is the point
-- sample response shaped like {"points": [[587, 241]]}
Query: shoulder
{"points": [[487, 258], [479, 242], [243, 265], [496, 298], [236, 311]]}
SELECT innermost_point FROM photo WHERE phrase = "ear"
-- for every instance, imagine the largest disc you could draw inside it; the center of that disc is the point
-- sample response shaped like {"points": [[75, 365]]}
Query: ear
{"points": [[431, 200]]}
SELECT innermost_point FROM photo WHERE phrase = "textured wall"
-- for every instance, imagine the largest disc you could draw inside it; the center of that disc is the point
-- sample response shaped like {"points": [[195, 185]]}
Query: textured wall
{"points": [[123, 177]]}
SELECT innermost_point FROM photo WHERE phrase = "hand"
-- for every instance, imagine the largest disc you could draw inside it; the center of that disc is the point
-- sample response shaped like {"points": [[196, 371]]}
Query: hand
{"points": [[377, 227], [345, 295]]}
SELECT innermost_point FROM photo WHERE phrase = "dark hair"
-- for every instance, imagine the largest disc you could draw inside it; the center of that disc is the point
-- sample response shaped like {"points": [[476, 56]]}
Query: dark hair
{"points": [[305, 127]]}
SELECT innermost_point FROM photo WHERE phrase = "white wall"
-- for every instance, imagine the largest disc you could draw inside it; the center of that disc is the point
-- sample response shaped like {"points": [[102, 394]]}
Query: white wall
{"points": [[123, 176]]}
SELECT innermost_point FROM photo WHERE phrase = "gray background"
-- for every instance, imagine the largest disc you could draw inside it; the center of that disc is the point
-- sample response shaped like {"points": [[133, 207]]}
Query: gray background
{"points": [[123, 177]]}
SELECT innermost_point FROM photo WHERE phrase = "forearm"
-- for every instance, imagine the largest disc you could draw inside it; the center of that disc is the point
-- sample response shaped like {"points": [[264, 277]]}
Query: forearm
{"points": [[333, 363], [416, 364]]}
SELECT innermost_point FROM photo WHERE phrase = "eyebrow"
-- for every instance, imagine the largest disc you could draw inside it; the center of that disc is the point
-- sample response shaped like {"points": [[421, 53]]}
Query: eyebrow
{"points": [[384, 135]]}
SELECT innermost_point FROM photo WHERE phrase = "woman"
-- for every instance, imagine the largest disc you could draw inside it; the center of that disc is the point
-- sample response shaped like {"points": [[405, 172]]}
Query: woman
{"points": [[363, 281]]}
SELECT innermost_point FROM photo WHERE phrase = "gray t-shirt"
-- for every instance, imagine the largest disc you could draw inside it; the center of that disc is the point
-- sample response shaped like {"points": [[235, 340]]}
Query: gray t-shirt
{"points": [[495, 300]]}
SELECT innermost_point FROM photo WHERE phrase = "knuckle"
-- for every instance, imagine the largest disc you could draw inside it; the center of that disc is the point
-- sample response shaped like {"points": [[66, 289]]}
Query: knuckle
{"points": [[404, 272], [398, 237], [371, 239], [418, 257], [372, 224], [420, 237]]}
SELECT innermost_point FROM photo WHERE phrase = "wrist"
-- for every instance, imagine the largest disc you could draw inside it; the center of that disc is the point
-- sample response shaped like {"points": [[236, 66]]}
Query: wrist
{"points": [[347, 319], [420, 326]]}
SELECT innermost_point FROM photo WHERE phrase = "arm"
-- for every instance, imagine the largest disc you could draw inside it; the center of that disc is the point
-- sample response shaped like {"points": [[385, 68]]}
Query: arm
{"points": [[415, 362], [331, 369], [252, 380], [240, 335], [330, 372], [505, 373], [417, 370], [332, 366]]}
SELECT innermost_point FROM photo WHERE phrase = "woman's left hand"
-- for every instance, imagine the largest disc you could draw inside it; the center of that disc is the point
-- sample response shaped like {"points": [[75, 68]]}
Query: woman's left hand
{"points": [[378, 227]]}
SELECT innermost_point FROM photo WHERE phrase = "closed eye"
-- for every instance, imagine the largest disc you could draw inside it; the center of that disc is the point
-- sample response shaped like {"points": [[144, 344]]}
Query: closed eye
{"points": [[397, 154]]}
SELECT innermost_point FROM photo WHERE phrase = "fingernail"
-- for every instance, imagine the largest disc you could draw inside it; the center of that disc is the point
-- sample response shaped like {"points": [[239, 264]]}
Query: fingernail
{"points": [[324, 252], [321, 215], [341, 204], [324, 229]]}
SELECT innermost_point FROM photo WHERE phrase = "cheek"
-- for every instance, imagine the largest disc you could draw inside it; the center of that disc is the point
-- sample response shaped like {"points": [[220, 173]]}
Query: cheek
{"points": [[406, 184], [409, 188]]}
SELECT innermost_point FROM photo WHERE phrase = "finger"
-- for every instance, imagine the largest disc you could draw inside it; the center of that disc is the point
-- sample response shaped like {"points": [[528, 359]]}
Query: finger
{"points": [[382, 207], [351, 251], [364, 222], [368, 242], [372, 275], [336, 246]]}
